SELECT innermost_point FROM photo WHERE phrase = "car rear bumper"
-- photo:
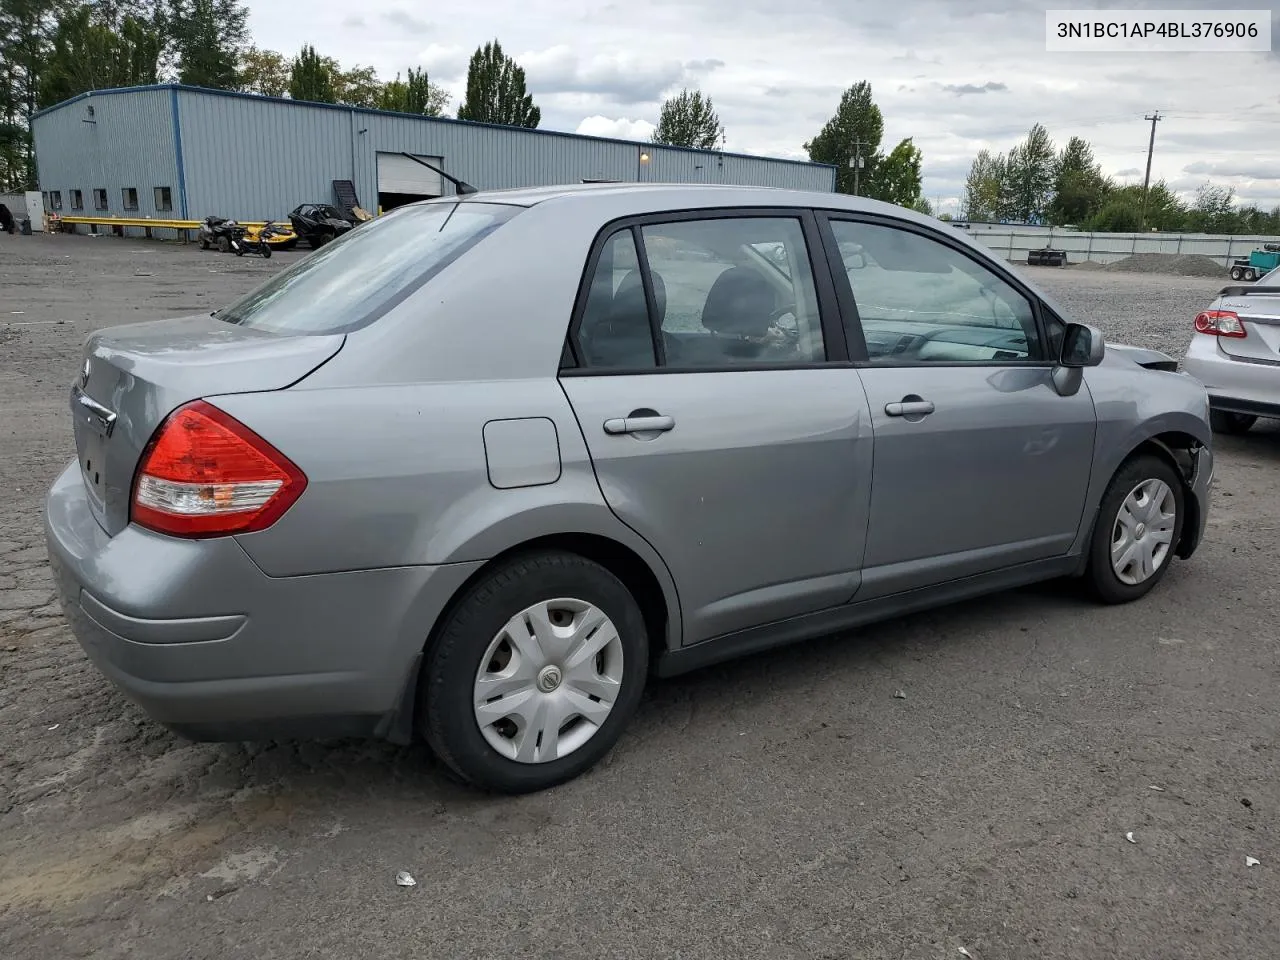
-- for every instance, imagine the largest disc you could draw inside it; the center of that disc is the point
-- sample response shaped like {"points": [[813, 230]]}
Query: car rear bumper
{"points": [[210, 646], [1234, 386]]}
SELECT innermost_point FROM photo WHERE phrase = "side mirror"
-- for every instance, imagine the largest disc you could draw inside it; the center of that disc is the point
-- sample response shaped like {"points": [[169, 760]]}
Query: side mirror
{"points": [[1082, 346]]}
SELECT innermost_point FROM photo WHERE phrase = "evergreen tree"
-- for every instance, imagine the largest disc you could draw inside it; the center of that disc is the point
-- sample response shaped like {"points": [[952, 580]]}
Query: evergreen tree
{"points": [[207, 37], [496, 90], [855, 131], [312, 78], [689, 120]]}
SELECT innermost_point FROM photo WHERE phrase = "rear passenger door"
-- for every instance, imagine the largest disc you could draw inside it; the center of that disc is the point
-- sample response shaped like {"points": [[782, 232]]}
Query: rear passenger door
{"points": [[719, 428], [980, 463]]}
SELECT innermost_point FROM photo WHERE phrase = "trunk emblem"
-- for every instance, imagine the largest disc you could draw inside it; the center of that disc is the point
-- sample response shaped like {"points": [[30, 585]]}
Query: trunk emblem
{"points": [[84, 372]]}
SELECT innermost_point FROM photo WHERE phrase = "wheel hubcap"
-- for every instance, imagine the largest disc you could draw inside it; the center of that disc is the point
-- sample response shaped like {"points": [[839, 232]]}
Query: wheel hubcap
{"points": [[548, 680], [1143, 532]]}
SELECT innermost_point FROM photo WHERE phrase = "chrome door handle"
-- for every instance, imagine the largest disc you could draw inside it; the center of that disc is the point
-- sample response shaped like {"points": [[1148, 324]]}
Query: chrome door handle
{"points": [[620, 425], [909, 408]]}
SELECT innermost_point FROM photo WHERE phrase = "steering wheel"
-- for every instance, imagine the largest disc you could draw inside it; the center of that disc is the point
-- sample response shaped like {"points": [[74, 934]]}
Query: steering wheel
{"points": [[791, 330]]}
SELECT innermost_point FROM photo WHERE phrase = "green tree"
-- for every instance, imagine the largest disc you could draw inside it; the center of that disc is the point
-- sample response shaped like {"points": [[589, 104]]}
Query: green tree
{"points": [[984, 188], [358, 87], [91, 52], [496, 91], [207, 37], [1030, 175], [1213, 210], [26, 39], [312, 77], [264, 72], [1122, 211], [898, 177], [689, 120], [855, 130], [1079, 187], [416, 95]]}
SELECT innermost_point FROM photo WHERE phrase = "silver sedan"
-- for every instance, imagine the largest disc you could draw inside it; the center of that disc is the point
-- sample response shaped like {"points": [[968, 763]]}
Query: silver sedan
{"points": [[1235, 353], [475, 471]]}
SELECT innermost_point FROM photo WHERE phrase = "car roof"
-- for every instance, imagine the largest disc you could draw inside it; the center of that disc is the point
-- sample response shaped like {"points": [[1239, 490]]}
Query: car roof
{"points": [[671, 195]]}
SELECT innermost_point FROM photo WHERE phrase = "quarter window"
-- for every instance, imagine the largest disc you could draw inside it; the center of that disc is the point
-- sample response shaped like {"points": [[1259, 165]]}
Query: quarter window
{"points": [[615, 330], [922, 301], [723, 293]]}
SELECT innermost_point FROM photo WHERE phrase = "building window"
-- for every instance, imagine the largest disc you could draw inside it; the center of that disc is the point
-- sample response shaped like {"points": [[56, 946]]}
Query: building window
{"points": [[55, 199], [130, 198], [77, 200], [100, 198], [164, 199]]}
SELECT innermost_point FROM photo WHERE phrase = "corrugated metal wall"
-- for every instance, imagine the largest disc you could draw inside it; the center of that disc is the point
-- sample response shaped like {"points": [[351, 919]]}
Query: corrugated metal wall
{"points": [[253, 158], [130, 143], [257, 159], [687, 166]]}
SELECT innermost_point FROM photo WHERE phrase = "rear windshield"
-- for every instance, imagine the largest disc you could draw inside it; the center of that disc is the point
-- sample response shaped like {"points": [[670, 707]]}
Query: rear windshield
{"points": [[357, 278]]}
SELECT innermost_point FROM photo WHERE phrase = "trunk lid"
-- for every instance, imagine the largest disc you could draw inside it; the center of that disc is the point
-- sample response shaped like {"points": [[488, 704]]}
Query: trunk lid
{"points": [[132, 377], [1260, 313]]}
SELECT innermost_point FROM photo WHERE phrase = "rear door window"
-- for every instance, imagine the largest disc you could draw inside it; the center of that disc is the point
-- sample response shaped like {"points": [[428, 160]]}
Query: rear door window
{"points": [[357, 278]]}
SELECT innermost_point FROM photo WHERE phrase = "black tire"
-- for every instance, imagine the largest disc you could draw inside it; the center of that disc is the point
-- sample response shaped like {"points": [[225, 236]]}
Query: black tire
{"points": [[266, 253], [446, 711], [1231, 423], [1236, 273], [1100, 575], [224, 245], [1250, 276], [315, 242], [204, 243]]}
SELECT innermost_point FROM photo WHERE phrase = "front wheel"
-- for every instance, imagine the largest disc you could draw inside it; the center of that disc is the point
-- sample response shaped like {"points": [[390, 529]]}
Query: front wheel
{"points": [[1138, 528], [266, 252], [1231, 423], [534, 674], [1236, 273], [224, 245]]}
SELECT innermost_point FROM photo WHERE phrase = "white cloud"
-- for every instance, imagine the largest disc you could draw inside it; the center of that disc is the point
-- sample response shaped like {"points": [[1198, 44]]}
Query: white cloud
{"points": [[619, 129], [445, 61], [776, 71]]}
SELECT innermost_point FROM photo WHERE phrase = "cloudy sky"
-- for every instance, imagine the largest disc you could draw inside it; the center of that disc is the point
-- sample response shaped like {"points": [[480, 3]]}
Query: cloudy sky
{"points": [[956, 75]]}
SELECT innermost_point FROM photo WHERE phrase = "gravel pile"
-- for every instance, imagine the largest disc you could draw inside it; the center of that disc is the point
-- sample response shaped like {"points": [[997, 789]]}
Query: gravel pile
{"points": [[1165, 264]]}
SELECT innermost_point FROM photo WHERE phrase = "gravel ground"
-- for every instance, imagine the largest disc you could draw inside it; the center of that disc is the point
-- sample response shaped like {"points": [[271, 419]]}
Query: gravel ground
{"points": [[789, 805]]}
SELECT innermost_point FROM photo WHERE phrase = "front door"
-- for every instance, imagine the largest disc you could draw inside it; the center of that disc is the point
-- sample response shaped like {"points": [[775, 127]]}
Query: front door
{"points": [[717, 430], [980, 463]]}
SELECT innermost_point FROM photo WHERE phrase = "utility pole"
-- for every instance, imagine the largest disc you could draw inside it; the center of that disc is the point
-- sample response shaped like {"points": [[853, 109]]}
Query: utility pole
{"points": [[1146, 181], [856, 162]]}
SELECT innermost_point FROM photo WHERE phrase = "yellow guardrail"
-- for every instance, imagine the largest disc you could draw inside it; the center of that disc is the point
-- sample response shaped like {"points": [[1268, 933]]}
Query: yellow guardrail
{"points": [[152, 222]]}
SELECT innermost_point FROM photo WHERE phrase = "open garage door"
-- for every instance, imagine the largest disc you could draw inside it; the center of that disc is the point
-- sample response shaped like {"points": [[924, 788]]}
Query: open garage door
{"points": [[402, 181]]}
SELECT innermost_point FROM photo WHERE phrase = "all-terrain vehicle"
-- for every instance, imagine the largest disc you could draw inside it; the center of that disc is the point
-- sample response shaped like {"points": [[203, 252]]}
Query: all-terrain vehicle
{"points": [[318, 223], [226, 235]]}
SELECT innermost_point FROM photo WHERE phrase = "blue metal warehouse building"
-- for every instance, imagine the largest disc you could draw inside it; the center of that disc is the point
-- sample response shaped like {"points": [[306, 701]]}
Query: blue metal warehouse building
{"points": [[175, 152]]}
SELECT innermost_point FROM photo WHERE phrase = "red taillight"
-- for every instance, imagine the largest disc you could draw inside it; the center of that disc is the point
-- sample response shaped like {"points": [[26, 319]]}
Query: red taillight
{"points": [[1220, 323], [205, 474]]}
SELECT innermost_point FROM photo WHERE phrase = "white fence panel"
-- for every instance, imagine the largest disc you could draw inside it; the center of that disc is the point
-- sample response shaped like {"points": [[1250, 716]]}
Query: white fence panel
{"points": [[1013, 243]]}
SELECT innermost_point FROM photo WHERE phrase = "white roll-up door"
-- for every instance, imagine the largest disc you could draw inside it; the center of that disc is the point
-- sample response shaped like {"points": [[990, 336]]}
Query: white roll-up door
{"points": [[398, 174]]}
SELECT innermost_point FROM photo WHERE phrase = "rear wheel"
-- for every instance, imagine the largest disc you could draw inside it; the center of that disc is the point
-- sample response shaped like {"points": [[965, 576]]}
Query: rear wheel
{"points": [[534, 674], [1138, 528], [1250, 275], [1236, 273], [224, 244], [1231, 423]]}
